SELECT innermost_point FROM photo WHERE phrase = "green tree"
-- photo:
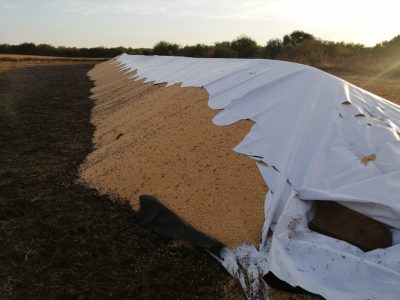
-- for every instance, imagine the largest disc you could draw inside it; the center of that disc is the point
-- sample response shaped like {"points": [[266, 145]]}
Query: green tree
{"points": [[5, 48], [198, 50], [225, 50], [166, 48], [45, 49], [26, 48], [394, 42], [141, 51], [296, 37], [245, 47], [273, 48]]}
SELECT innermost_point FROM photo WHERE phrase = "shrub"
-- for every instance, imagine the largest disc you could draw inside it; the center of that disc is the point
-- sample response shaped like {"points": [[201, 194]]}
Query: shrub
{"points": [[296, 37], [224, 49], [273, 48], [166, 48], [245, 47], [198, 50]]}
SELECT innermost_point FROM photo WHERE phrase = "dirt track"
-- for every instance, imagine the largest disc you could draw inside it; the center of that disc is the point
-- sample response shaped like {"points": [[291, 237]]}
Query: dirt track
{"points": [[59, 239]]}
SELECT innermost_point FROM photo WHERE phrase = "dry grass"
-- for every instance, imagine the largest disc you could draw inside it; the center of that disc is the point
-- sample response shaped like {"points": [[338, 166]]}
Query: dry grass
{"points": [[388, 88]]}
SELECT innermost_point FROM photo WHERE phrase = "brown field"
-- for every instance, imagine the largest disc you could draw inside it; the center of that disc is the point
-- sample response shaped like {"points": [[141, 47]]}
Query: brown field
{"points": [[60, 239], [12, 61], [38, 58], [388, 88]]}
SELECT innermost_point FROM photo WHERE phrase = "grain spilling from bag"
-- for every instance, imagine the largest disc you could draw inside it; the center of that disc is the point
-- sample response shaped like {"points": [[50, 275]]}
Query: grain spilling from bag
{"points": [[158, 140]]}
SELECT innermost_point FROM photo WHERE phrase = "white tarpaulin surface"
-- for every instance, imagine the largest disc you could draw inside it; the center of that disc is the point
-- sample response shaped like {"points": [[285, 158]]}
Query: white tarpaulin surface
{"points": [[313, 130]]}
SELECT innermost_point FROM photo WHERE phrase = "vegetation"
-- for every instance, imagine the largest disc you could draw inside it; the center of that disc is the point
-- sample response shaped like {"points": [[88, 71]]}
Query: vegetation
{"points": [[298, 46], [48, 50]]}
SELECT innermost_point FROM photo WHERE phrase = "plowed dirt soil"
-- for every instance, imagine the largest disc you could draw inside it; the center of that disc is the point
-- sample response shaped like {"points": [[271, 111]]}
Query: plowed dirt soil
{"points": [[60, 239]]}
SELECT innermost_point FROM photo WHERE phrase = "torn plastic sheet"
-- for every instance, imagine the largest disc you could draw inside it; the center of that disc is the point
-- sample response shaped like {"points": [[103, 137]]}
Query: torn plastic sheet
{"points": [[315, 131]]}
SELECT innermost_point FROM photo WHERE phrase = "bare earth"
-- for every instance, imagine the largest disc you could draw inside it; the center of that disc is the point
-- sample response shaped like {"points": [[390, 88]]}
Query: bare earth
{"points": [[37, 58], [17, 61], [61, 240]]}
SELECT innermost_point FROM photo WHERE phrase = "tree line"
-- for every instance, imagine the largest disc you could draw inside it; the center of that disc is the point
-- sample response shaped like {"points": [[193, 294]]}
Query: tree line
{"points": [[301, 47], [298, 46], [49, 50]]}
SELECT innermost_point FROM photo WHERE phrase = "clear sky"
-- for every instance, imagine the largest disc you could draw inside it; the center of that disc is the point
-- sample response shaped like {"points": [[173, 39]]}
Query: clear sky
{"points": [[142, 23]]}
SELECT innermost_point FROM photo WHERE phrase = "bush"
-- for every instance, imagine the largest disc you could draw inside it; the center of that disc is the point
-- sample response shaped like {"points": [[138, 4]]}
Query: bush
{"points": [[297, 46], [166, 48], [48, 50], [273, 48], [296, 37], [198, 50], [245, 47], [225, 50]]}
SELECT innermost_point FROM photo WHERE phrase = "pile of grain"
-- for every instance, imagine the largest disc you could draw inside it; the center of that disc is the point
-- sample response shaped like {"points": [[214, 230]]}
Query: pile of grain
{"points": [[158, 140]]}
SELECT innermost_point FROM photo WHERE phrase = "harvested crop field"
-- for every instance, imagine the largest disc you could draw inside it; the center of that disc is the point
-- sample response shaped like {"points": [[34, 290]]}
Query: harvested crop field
{"points": [[38, 58], [16, 61], [60, 239]]}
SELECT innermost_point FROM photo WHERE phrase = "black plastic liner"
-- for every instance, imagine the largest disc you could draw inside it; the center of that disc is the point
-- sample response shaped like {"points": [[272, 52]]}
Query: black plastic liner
{"points": [[162, 220]]}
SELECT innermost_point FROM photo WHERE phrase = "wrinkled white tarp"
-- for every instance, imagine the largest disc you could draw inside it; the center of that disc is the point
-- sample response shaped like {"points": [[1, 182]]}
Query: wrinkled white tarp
{"points": [[312, 129]]}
